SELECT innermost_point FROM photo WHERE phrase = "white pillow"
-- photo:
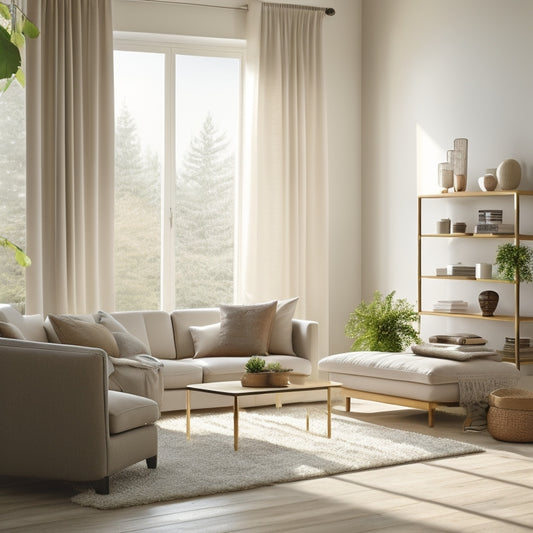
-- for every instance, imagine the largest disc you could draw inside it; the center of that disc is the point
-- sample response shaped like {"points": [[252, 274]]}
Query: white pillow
{"points": [[205, 339], [281, 338]]}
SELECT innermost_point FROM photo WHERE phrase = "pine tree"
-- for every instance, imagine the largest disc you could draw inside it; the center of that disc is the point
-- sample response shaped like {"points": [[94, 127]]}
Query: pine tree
{"points": [[205, 221], [137, 219]]}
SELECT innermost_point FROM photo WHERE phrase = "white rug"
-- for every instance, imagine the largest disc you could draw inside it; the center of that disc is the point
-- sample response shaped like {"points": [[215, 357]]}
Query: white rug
{"points": [[273, 448]]}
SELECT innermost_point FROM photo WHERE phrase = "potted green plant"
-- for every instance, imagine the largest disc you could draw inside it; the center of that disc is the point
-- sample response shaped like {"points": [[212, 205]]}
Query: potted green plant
{"points": [[255, 374], [512, 258], [383, 325], [279, 376]]}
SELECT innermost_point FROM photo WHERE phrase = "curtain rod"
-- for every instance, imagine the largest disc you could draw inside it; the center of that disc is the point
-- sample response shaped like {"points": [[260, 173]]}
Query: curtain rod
{"points": [[329, 11]]}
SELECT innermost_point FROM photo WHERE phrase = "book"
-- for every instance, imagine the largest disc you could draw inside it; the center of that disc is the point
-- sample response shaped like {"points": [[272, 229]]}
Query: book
{"points": [[458, 338], [497, 228]]}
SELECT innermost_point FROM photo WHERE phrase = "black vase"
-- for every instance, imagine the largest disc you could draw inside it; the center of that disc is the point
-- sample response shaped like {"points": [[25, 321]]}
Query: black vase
{"points": [[488, 301]]}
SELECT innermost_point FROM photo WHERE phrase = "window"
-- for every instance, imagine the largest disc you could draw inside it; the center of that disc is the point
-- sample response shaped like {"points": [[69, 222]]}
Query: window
{"points": [[177, 116], [13, 187]]}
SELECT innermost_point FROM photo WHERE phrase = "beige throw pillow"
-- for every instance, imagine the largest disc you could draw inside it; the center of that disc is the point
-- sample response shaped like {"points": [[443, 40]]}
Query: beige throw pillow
{"points": [[128, 344], [71, 330], [10, 331], [244, 330]]}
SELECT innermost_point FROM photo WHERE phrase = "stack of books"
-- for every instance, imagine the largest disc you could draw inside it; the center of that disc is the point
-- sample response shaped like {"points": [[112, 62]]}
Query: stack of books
{"points": [[450, 306], [491, 221], [458, 338], [461, 270], [524, 347]]}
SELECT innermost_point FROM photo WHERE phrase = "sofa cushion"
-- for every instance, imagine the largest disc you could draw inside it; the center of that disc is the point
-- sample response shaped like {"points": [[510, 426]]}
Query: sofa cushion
{"points": [[180, 373], [129, 411], [81, 332], [412, 368], [31, 326], [10, 331], [232, 368], [205, 339], [153, 328]]}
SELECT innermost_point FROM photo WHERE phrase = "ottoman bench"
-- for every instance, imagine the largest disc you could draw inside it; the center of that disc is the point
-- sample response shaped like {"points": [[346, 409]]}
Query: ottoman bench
{"points": [[417, 381]]}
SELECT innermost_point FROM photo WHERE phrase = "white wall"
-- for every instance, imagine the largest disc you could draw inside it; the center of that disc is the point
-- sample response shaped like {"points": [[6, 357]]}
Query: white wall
{"points": [[434, 70], [342, 48]]}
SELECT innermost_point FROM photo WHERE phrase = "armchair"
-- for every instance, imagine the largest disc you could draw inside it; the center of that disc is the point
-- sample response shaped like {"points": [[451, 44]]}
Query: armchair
{"points": [[60, 421]]}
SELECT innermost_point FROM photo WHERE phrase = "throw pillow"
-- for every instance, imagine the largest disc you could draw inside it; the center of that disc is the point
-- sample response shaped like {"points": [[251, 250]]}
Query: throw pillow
{"points": [[129, 344], [281, 339], [72, 330], [112, 324], [245, 329], [205, 339], [10, 331]]}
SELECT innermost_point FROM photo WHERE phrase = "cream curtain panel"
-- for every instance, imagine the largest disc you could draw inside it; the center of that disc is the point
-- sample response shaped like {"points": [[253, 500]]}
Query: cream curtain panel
{"points": [[70, 147], [285, 187]]}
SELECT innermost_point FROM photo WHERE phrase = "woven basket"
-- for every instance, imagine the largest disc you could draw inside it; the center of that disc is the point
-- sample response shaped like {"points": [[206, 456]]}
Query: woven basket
{"points": [[510, 415]]}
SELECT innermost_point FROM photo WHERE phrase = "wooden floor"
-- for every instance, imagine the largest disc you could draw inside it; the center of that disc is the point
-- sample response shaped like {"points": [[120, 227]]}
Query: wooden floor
{"points": [[490, 491]]}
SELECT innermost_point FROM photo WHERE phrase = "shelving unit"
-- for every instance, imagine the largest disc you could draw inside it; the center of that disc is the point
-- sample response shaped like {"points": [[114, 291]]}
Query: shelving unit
{"points": [[516, 237]]}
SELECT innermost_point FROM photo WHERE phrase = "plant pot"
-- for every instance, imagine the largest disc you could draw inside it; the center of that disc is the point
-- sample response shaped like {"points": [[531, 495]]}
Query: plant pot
{"points": [[255, 379], [279, 379]]}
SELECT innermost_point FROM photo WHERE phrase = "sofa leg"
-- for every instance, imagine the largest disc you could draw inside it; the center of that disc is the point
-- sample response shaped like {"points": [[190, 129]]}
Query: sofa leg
{"points": [[102, 485], [348, 404], [151, 462]]}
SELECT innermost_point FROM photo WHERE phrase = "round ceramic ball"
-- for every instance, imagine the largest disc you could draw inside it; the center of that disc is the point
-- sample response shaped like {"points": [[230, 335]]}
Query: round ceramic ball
{"points": [[487, 182], [509, 174]]}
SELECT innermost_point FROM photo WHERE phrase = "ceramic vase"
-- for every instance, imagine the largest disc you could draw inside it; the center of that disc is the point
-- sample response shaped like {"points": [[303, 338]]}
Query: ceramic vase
{"points": [[509, 174], [488, 301]]}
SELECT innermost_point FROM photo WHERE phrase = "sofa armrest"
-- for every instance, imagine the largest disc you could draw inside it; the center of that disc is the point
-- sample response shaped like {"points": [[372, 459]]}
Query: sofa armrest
{"points": [[305, 342], [54, 410]]}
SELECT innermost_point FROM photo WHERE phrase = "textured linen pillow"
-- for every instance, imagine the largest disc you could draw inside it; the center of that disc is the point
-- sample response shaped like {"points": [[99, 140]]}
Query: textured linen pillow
{"points": [[71, 330], [244, 330], [281, 339], [10, 331], [128, 344], [112, 324]]}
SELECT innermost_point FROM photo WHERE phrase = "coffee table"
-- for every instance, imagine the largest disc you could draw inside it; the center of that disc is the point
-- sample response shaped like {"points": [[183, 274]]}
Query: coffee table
{"points": [[236, 390]]}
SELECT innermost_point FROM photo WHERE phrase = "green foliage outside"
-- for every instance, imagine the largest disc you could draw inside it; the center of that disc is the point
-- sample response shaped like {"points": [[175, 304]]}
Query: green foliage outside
{"points": [[511, 257], [203, 220], [383, 325], [13, 187]]}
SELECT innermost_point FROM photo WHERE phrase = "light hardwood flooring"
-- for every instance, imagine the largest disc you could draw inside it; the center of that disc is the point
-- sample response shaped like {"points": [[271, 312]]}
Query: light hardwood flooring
{"points": [[490, 492]]}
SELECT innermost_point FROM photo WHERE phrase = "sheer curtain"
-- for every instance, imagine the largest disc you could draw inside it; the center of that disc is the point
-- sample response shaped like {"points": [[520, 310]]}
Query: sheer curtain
{"points": [[70, 147], [285, 188]]}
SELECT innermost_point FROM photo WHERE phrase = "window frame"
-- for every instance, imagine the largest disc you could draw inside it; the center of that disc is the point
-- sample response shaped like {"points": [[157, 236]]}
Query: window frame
{"points": [[170, 46]]}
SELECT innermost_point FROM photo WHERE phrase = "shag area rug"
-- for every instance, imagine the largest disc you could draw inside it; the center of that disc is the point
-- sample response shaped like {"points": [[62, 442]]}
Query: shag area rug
{"points": [[274, 447]]}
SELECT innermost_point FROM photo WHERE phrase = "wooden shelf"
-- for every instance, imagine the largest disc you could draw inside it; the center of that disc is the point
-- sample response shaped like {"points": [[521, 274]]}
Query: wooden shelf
{"points": [[516, 319], [498, 318], [468, 278]]}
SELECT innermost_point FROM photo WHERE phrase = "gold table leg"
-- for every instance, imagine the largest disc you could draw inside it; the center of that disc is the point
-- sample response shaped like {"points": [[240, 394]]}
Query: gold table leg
{"points": [[236, 423], [188, 394], [329, 413]]}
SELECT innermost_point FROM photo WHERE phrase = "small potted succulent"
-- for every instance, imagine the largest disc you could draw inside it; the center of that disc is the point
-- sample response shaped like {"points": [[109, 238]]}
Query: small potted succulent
{"points": [[255, 375], [279, 376]]}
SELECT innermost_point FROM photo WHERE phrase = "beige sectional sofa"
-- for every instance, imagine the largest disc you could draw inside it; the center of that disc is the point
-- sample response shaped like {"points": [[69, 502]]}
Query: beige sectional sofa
{"points": [[177, 345]]}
